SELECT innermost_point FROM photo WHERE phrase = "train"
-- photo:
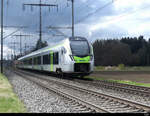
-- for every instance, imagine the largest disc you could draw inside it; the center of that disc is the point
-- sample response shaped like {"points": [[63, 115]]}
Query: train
{"points": [[73, 55]]}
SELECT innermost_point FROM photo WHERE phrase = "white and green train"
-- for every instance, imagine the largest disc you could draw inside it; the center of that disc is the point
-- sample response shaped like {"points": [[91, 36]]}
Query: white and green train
{"points": [[70, 56]]}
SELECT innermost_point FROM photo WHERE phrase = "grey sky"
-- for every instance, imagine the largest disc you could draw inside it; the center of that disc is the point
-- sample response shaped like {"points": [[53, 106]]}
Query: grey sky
{"points": [[118, 19]]}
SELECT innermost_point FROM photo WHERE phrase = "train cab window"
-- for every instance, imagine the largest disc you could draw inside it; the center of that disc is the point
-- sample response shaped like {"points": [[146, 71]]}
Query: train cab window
{"points": [[46, 59], [56, 58]]}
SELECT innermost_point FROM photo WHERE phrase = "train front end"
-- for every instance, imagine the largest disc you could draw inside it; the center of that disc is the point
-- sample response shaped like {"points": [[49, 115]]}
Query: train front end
{"points": [[82, 55]]}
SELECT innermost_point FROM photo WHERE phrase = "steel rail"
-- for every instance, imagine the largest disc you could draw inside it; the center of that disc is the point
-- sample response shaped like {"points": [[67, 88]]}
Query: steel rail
{"points": [[129, 102], [63, 94]]}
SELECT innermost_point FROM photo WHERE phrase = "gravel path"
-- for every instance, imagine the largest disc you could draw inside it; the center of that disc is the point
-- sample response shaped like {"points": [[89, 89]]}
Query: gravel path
{"points": [[38, 100]]}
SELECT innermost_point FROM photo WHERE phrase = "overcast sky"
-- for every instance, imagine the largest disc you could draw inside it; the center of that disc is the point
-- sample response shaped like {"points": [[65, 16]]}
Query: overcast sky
{"points": [[94, 19]]}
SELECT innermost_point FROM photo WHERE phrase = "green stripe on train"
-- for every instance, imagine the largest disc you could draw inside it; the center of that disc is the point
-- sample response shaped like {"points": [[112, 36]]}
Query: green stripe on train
{"points": [[82, 60], [51, 55]]}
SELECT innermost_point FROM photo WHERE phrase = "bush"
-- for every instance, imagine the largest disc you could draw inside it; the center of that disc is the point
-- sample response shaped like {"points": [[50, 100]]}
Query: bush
{"points": [[121, 66], [100, 68]]}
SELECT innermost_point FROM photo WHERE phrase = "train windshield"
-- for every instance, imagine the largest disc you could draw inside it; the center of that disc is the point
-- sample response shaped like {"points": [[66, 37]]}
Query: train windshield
{"points": [[80, 48]]}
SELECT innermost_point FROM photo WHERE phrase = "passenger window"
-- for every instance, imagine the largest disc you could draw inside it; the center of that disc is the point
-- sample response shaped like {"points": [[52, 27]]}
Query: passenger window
{"points": [[46, 59], [39, 60], [56, 58], [34, 61]]}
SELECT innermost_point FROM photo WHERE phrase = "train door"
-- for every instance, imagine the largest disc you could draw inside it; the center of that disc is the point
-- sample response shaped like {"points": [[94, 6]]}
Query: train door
{"points": [[51, 62]]}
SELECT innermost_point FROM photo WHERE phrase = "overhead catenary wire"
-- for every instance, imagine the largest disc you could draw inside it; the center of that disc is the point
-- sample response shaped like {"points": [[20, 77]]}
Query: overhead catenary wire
{"points": [[90, 14], [97, 10]]}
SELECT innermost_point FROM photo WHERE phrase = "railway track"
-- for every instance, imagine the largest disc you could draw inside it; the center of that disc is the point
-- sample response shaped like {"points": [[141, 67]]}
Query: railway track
{"points": [[96, 102], [74, 101], [132, 89]]}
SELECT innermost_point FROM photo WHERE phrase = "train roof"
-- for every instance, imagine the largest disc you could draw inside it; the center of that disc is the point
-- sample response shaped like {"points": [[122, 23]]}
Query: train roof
{"points": [[45, 49], [78, 38]]}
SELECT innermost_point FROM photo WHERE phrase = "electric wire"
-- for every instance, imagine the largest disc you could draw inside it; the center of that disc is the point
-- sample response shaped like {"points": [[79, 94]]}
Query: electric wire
{"points": [[97, 10]]}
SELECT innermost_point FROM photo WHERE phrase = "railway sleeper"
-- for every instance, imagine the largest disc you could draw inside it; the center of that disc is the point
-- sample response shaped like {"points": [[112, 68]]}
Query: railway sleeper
{"points": [[127, 108], [80, 109], [146, 95], [141, 110], [89, 111], [129, 111], [75, 104]]}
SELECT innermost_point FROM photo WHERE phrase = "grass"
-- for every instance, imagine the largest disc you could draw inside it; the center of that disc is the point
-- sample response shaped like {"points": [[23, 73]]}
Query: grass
{"points": [[122, 68], [9, 102], [119, 81]]}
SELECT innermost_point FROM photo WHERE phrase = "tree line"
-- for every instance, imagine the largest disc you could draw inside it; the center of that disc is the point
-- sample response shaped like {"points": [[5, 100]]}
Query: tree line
{"points": [[128, 51]]}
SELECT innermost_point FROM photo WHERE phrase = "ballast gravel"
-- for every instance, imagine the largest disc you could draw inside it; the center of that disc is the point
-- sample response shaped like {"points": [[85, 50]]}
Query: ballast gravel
{"points": [[37, 99], [120, 94]]}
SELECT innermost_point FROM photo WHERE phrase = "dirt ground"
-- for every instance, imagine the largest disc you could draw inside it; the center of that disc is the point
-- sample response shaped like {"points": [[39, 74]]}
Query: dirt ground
{"points": [[137, 76]]}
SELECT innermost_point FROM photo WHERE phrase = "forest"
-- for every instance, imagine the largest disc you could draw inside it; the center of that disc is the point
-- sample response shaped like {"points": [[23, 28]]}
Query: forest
{"points": [[128, 51]]}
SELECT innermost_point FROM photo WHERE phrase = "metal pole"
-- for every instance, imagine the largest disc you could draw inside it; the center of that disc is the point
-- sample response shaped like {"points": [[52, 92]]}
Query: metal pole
{"points": [[40, 24], [20, 46], [1, 36], [14, 52], [72, 18], [25, 47]]}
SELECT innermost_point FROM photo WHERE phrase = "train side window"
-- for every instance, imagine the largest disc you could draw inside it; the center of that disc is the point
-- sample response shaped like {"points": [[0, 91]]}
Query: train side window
{"points": [[39, 60], [27, 62], [34, 60], [30, 61], [56, 58], [46, 59], [24, 62], [49, 56], [53, 58]]}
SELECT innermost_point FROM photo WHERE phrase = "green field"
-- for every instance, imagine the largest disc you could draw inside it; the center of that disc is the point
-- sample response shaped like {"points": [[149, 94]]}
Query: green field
{"points": [[9, 102], [119, 81], [122, 68]]}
